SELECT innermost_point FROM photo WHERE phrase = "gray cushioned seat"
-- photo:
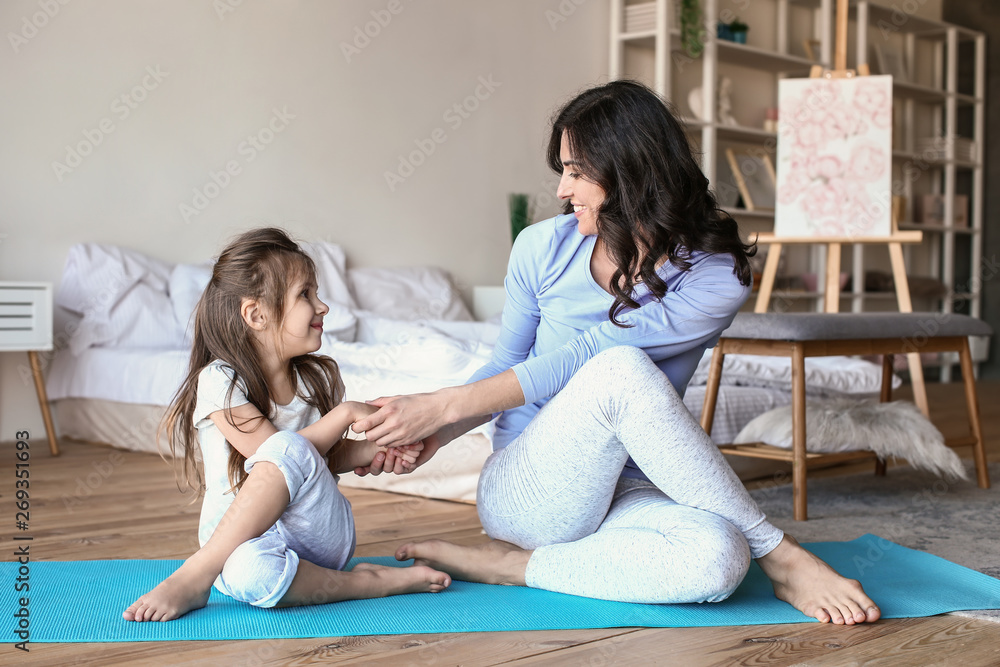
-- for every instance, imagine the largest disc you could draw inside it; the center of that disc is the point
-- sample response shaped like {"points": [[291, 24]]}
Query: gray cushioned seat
{"points": [[853, 326]]}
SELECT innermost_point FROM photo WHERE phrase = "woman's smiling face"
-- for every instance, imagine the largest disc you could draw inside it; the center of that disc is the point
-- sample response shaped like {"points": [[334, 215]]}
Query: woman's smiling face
{"points": [[574, 185]]}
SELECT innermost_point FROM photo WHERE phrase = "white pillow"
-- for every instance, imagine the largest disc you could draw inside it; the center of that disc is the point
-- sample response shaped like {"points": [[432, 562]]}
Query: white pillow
{"points": [[409, 293], [340, 323], [96, 276], [825, 376], [187, 284], [97, 279], [331, 270], [143, 318]]}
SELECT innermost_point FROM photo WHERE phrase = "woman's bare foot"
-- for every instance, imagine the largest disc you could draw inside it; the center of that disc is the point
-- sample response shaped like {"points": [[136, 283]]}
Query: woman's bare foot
{"points": [[495, 562], [181, 592], [399, 580], [814, 588]]}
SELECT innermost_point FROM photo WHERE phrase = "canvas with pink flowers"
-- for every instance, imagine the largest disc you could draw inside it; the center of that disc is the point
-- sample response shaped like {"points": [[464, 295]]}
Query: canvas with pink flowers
{"points": [[834, 157]]}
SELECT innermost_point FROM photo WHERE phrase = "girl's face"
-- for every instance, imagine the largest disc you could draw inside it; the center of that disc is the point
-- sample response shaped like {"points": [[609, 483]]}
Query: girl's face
{"points": [[302, 329], [585, 195]]}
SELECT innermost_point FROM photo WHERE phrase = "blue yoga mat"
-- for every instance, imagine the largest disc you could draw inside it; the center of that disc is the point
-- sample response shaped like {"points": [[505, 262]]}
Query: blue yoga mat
{"points": [[82, 601]]}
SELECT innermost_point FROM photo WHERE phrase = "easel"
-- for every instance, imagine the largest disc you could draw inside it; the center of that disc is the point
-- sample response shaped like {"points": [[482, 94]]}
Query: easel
{"points": [[831, 294]]}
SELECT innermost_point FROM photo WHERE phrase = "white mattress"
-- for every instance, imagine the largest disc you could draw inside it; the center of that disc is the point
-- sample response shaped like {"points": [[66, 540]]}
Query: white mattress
{"points": [[147, 377]]}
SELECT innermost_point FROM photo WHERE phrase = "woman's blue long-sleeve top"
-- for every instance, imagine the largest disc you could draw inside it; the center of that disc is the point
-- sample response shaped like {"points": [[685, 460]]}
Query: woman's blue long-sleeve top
{"points": [[556, 317]]}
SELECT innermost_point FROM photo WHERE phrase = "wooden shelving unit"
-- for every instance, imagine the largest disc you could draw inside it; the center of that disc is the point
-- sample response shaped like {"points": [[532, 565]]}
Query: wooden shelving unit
{"points": [[942, 96]]}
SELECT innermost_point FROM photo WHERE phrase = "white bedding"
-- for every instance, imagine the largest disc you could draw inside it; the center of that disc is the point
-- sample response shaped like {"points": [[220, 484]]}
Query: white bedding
{"points": [[115, 297], [146, 377]]}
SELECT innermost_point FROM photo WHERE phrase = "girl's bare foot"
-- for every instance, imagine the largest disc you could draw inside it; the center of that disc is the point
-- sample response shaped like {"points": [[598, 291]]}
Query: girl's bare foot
{"points": [[495, 562], [181, 592], [814, 588], [399, 580]]}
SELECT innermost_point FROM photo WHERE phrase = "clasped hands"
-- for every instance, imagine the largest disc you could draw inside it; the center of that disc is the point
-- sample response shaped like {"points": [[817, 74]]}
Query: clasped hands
{"points": [[397, 424]]}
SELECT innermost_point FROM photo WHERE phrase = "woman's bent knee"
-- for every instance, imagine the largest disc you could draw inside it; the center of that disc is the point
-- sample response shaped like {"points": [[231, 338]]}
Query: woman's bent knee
{"points": [[709, 567], [620, 370], [727, 560], [620, 356]]}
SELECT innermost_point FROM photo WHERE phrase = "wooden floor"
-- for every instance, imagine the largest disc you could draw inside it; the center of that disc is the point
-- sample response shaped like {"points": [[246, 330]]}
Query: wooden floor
{"points": [[94, 502]]}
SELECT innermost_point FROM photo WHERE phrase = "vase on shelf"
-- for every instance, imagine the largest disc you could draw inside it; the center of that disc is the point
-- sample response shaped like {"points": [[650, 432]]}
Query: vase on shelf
{"points": [[734, 31], [739, 31]]}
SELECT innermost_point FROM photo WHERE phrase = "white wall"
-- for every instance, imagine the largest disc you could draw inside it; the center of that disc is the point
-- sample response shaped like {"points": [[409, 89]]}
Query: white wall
{"points": [[219, 76]]}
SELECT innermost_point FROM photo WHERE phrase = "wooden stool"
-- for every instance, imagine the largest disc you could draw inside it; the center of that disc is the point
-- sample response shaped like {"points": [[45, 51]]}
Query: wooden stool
{"points": [[801, 335]]}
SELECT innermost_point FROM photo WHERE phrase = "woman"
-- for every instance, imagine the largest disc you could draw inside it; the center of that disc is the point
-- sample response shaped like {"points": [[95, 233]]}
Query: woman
{"points": [[602, 484]]}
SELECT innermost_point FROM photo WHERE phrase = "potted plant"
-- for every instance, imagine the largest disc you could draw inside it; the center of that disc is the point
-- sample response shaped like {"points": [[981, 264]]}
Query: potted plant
{"points": [[692, 36], [738, 29]]}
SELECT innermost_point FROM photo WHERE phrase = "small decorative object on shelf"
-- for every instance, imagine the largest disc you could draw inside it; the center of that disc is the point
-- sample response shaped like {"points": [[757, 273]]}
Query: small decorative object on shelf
{"points": [[726, 102], [755, 177], [929, 210], [739, 31], [695, 103], [811, 47], [936, 148], [898, 209], [734, 31], [961, 212], [771, 120], [519, 218], [890, 60], [640, 18], [692, 34]]}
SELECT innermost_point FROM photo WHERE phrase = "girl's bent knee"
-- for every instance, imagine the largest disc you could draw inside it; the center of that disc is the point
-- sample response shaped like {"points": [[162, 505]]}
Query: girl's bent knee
{"points": [[259, 572], [293, 455]]}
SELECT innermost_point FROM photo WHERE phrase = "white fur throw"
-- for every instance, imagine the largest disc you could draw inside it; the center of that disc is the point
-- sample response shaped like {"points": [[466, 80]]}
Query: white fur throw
{"points": [[896, 429]]}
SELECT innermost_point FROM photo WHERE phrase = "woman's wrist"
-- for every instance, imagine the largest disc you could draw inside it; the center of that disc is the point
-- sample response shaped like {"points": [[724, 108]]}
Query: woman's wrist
{"points": [[451, 404]]}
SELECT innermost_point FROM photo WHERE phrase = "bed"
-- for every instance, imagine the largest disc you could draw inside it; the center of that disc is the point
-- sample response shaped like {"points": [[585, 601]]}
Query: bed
{"points": [[123, 334]]}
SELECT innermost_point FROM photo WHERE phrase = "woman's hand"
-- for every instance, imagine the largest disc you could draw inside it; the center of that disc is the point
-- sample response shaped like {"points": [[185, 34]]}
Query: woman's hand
{"points": [[402, 420]]}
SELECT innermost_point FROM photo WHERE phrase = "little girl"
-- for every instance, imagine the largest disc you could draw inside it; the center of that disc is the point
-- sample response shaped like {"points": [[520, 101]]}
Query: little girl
{"points": [[267, 413]]}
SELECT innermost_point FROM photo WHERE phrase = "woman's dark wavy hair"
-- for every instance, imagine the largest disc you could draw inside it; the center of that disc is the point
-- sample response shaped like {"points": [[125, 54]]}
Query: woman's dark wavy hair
{"points": [[260, 265], [657, 201]]}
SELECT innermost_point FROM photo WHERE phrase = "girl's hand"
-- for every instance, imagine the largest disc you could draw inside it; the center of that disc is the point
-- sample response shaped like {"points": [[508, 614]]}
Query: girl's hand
{"points": [[408, 453], [383, 463], [358, 411], [404, 419], [399, 460]]}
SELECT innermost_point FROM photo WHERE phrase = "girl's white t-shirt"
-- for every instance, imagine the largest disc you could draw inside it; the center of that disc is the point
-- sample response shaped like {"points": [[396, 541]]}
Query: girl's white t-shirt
{"points": [[213, 385]]}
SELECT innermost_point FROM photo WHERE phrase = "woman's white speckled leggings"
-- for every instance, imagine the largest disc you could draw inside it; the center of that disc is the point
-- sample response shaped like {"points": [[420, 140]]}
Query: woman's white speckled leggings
{"points": [[686, 537]]}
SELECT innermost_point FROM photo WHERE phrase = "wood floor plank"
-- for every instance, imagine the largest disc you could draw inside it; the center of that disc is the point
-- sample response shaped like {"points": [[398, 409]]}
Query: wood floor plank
{"points": [[911, 639], [941, 640]]}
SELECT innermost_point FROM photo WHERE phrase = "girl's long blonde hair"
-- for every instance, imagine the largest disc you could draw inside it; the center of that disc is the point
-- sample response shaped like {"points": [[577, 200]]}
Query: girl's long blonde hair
{"points": [[257, 265]]}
